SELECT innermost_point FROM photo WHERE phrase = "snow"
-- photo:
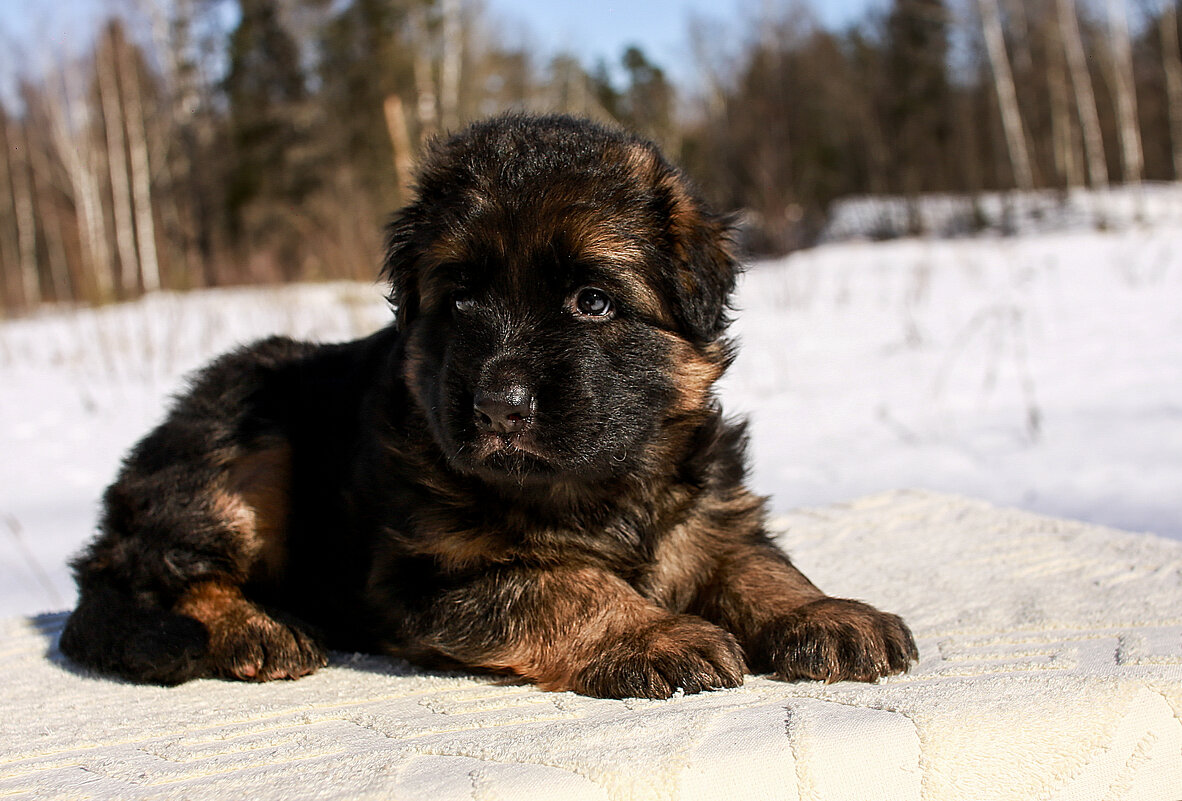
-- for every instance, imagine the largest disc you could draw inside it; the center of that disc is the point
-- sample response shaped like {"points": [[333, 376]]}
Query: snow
{"points": [[1042, 371], [1043, 211]]}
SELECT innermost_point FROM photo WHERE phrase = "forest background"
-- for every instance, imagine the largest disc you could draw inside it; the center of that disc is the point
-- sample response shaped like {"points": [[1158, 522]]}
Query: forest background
{"points": [[216, 142]]}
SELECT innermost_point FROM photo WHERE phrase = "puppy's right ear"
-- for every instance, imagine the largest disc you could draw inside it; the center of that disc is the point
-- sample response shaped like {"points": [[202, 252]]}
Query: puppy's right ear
{"points": [[400, 268]]}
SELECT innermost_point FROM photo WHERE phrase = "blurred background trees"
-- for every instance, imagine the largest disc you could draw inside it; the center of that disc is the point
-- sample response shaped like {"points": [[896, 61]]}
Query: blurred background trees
{"points": [[212, 142]]}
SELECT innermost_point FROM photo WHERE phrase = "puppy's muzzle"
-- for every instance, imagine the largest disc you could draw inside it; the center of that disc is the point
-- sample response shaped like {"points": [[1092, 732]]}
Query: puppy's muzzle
{"points": [[504, 410]]}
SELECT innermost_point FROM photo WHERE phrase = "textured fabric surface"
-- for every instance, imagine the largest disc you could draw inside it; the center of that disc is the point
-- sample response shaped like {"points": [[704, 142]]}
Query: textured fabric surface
{"points": [[1051, 668]]}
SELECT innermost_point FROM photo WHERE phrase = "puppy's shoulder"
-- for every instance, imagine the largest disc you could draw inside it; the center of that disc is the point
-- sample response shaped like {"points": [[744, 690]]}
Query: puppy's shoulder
{"points": [[279, 371]]}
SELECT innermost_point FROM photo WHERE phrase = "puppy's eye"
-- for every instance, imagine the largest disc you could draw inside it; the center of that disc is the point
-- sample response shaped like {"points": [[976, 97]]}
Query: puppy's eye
{"points": [[593, 302], [463, 301]]}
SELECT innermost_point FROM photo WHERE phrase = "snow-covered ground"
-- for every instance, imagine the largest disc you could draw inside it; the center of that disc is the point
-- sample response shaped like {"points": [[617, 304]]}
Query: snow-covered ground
{"points": [[1044, 211], [1043, 371]]}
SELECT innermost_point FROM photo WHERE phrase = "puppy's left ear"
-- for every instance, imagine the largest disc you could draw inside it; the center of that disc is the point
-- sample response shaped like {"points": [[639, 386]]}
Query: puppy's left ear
{"points": [[701, 243], [400, 268]]}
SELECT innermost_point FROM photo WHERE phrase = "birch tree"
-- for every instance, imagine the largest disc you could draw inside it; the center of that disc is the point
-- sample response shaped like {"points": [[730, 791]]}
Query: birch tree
{"points": [[141, 171], [427, 107], [397, 129], [185, 45], [1085, 98], [1017, 15], [452, 63], [1172, 63], [1007, 97], [25, 213], [113, 120], [8, 249], [70, 127], [1067, 164], [1124, 88], [44, 183]]}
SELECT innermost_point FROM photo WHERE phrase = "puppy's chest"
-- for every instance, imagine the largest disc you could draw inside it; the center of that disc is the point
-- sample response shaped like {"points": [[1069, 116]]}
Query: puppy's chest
{"points": [[464, 538]]}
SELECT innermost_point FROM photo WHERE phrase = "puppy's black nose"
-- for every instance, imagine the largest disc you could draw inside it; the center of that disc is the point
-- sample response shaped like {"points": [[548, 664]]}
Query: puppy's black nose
{"points": [[504, 411]]}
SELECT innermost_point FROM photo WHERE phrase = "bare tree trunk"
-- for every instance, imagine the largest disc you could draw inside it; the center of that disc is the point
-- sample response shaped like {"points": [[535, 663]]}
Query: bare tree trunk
{"points": [[108, 86], [172, 36], [396, 127], [1131, 156], [453, 59], [90, 218], [53, 229], [1016, 13], [1067, 164], [70, 123], [967, 143], [26, 213], [428, 101], [702, 36], [1007, 97], [578, 99], [9, 252], [1172, 61], [141, 174], [1085, 98]]}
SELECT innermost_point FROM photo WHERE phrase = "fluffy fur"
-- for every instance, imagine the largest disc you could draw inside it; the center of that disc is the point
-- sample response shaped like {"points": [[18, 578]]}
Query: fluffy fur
{"points": [[527, 473]]}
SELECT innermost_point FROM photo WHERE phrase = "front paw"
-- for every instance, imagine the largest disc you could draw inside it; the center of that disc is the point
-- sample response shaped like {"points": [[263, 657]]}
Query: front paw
{"points": [[679, 652], [253, 646], [834, 639]]}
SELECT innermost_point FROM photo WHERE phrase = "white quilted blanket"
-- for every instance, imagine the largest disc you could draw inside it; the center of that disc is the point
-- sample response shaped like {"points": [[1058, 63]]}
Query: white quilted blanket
{"points": [[1051, 668]]}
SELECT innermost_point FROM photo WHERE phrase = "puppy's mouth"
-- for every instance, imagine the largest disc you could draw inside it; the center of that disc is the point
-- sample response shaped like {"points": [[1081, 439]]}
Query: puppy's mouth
{"points": [[513, 458], [488, 444]]}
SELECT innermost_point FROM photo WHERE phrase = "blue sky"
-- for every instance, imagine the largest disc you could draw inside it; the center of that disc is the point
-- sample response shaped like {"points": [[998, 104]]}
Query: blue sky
{"points": [[41, 29], [603, 29]]}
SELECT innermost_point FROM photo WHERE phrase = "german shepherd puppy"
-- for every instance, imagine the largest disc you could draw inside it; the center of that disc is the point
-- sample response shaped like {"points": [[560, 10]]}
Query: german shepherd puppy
{"points": [[528, 472]]}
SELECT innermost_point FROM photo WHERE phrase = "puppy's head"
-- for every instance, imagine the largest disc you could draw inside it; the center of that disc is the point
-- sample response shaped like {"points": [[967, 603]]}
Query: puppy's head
{"points": [[563, 296]]}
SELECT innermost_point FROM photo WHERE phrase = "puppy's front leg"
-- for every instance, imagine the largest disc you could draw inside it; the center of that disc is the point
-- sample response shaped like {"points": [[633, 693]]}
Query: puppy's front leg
{"points": [[582, 629], [790, 628]]}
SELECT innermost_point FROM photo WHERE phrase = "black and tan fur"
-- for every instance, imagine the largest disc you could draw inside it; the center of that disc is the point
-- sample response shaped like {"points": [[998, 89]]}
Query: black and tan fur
{"points": [[528, 472]]}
